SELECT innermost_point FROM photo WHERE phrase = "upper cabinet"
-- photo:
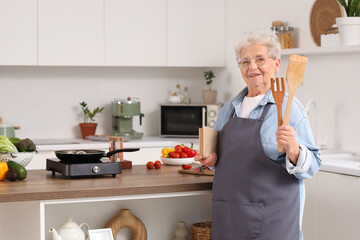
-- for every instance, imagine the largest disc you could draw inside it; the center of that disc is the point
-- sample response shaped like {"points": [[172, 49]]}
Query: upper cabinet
{"points": [[18, 28], [71, 32], [196, 33], [179, 33], [135, 32]]}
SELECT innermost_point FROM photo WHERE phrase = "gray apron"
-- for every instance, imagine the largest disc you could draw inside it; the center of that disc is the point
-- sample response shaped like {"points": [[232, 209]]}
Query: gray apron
{"points": [[253, 196]]}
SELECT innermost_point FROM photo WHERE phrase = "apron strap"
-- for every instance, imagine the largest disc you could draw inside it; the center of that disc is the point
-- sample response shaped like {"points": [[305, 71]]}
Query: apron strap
{"points": [[263, 115], [266, 110]]}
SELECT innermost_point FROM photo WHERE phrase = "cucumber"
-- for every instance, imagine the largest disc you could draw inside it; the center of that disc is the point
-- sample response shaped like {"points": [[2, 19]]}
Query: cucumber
{"points": [[22, 173]]}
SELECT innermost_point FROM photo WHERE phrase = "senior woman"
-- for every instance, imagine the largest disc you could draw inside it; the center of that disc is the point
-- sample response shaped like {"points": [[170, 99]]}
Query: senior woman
{"points": [[258, 192]]}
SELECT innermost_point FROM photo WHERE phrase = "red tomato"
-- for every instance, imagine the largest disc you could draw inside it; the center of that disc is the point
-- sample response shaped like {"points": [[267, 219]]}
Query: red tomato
{"points": [[178, 149], [183, 155], [186, 166], [150, 165], [157, 164], [192, 153], [174, 155], [186, 150]]}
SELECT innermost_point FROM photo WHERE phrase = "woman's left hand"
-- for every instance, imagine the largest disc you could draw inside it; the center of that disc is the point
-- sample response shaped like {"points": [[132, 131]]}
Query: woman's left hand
{"points": [[285, 136]]}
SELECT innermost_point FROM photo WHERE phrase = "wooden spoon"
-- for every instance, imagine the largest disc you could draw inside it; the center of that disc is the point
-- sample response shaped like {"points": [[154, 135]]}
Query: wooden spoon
{"points": [[294, 77]]}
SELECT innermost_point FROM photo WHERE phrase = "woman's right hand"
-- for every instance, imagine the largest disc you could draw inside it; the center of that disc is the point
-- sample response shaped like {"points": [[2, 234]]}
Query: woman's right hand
{"points": [[209, 161]]}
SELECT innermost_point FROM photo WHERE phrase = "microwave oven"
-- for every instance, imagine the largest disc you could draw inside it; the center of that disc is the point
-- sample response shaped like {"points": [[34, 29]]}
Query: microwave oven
{"points": [[184, 120]]}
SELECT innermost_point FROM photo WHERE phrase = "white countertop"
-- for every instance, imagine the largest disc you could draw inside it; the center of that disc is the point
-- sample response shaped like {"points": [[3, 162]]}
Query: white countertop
{"points": [[333, 161], [145, 142], [342, 163]]}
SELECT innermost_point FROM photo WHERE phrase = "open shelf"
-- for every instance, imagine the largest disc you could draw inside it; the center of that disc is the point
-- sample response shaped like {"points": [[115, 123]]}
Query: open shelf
{"points": [[321, 50]]}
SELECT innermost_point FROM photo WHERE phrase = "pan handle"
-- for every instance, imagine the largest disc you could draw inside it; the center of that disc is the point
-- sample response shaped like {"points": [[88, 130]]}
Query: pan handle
{"points": [[121, 150]]}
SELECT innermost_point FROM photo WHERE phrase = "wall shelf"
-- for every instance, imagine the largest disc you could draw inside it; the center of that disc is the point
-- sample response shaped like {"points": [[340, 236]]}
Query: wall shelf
{"points": [[322, 50]]}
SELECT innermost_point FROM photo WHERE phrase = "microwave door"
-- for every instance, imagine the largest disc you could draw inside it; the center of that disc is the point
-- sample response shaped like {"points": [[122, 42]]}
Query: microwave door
{"points": [[182, 120]]}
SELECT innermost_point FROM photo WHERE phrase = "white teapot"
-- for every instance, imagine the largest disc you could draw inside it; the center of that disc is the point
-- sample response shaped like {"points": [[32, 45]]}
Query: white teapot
{"points": [[69, 230]]}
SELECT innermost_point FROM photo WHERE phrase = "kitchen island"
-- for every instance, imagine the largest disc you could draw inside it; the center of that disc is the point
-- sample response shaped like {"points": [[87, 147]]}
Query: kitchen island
{"points": [[159, 197]]}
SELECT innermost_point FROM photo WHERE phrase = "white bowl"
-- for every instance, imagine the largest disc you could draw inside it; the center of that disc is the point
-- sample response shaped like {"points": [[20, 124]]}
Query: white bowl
{"points": [[23, 158], [177, 161]]}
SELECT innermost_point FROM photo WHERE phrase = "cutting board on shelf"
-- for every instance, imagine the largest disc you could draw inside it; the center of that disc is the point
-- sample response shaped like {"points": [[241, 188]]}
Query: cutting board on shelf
{"points": [[205, 172]]}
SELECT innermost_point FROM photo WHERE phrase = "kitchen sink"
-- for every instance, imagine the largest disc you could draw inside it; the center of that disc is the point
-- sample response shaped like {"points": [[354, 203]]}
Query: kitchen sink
{"points": [[344, 163]]}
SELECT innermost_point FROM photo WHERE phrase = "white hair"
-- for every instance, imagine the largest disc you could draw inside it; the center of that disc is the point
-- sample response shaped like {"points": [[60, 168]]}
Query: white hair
{"points": [[260, 36]]}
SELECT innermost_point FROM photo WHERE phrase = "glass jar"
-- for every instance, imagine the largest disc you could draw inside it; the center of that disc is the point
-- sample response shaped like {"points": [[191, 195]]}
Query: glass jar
{"points": [[186, 98], [285, 37]]}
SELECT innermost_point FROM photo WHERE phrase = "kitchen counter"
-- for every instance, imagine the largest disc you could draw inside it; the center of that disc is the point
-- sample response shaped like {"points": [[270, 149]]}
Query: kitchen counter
{"points": [[159, 197], [145, 142], [41, 185]]}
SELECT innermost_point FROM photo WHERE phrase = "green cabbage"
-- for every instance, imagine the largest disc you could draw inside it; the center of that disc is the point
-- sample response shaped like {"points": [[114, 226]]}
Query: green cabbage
{"points": [[6, 146]]}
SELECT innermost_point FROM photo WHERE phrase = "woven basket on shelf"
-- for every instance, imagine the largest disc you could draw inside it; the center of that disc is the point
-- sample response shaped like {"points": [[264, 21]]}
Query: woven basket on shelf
{"points": [[201, 231]]}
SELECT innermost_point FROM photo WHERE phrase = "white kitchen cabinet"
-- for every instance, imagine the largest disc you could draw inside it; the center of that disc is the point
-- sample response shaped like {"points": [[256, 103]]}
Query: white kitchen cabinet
{"points": [[135, 32], [18, 27], [159, 212], [71, 32], [338, 206], [310, 212], [196, 33]]}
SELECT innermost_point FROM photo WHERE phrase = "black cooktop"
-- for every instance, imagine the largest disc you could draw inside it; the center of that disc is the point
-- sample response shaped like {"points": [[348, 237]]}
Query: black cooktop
{"points": [[84, 169]]}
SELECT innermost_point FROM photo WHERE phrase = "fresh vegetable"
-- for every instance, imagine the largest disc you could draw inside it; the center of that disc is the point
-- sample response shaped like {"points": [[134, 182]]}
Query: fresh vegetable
{"points": [[199, 169], [14, 140], [192, 153], [25, 145], [157, 164], [186, 149], [22, 173], [186, 166], [6, 146], [12, 175], [150, 165], [165, 152], [3, 170], [178, 149], [174, 155]]}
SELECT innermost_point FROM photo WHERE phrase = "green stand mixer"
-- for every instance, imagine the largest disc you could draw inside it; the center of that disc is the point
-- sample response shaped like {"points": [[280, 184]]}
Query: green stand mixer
{"points": [[123, 111]]}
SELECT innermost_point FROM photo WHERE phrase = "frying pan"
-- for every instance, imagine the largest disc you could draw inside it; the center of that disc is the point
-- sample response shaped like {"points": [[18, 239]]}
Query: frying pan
{"points": [[78, 156]]}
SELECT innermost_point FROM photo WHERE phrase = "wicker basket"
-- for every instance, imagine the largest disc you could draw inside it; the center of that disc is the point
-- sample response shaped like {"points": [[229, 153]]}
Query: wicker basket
{"points": [[201, 231]]}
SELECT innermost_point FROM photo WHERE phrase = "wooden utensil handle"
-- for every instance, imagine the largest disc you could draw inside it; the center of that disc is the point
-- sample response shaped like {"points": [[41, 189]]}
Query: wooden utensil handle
{"points": [[279, 116], [286, 116]]}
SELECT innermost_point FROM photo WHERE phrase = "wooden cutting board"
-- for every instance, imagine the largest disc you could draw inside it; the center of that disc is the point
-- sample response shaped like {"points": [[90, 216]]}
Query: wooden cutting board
{"points": [[205, 172]]}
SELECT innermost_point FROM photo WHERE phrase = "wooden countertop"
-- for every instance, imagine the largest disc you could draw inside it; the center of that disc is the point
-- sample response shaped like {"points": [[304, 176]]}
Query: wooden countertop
{"points": [[41, 185]]}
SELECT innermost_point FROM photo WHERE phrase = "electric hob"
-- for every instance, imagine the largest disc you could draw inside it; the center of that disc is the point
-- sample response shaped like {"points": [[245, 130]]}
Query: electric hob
{"points": [[83, 169]]}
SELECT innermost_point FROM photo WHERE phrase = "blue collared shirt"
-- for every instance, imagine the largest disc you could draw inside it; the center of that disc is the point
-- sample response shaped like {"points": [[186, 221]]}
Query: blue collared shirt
{"points": [[309, 158]]}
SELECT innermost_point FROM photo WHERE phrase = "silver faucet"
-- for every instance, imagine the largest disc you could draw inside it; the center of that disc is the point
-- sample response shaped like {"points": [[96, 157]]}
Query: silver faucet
{"points": [[307, 109]]}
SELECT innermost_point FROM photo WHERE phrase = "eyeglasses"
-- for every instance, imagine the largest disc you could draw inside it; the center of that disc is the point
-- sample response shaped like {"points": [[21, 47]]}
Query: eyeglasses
{"points": [[259, 61]]}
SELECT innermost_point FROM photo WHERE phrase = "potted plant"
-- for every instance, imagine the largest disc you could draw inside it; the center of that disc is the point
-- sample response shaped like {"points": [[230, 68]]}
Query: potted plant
{"points": [[88, 127], [209, 96], [349, 26]]}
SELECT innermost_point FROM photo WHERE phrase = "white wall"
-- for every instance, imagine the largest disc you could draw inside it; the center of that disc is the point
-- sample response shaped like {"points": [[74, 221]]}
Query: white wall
{"points": [[332, 81], [44, 100]]}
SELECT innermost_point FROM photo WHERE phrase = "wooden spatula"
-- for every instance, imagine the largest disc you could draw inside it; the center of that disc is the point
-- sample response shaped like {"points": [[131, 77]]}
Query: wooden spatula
{"points": [[294, 77]]}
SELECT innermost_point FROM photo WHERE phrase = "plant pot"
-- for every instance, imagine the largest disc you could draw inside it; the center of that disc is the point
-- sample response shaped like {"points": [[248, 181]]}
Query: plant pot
{"points": [[87, 129], [209, 96], [349, 29]]}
